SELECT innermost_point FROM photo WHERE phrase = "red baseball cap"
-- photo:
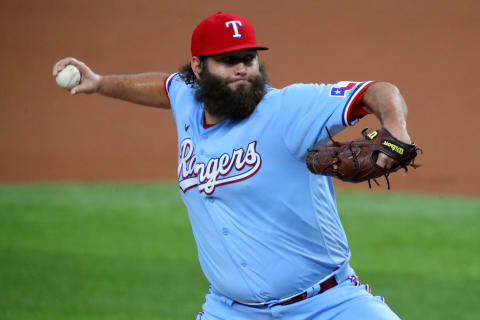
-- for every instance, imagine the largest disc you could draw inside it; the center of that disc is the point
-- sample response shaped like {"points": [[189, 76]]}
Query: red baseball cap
{"points": [[223, 32]]}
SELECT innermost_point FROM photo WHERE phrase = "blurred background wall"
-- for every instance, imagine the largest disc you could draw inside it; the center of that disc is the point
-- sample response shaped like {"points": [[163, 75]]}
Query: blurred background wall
{"points": [[429, 49]]}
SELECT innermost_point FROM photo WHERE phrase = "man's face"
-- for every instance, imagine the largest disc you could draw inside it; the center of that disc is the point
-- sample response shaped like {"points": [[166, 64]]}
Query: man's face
{"points": [[234, 67], [231, 84]]}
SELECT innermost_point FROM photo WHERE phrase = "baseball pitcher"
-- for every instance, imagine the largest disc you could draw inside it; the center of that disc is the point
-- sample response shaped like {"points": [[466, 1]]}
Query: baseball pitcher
{"points": [[269, 238]]}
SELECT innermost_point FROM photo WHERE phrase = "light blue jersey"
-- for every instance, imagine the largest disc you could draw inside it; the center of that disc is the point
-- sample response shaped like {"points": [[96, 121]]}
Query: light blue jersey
{"points": [[266, 228]]}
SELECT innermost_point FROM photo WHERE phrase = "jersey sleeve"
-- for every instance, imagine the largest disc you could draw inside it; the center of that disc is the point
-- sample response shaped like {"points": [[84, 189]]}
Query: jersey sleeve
{"points": [[307, 109], [172, 85]]}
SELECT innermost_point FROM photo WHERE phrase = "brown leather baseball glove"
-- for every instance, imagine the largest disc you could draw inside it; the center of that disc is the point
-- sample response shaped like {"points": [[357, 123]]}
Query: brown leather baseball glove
{"points": [[355, 161]]}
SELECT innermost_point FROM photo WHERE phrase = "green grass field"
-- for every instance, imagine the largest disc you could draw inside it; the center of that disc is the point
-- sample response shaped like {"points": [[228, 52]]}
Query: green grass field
{"points": [[125, 251]]}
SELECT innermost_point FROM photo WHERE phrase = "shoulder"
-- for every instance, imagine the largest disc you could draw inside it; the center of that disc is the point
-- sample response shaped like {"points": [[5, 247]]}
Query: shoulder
{"points": [[298, 93], [177, 89], [295, 89], [173, 81], [180, 94], [299, 90], [290, 99]]}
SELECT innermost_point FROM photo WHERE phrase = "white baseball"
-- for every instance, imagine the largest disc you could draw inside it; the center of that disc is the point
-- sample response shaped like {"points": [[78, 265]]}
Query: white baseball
{"points": [[69, 77]]}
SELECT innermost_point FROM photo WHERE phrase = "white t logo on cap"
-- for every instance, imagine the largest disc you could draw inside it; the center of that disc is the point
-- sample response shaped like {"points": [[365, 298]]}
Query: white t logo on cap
{"points": [[235, 25]]}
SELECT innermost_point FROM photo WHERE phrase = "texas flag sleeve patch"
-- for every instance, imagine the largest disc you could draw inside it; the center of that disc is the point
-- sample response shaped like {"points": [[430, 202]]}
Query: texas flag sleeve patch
{"points": [[342, 88]]}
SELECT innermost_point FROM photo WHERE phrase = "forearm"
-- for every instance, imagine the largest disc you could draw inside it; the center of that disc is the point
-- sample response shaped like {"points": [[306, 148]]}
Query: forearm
{"points": [[385, 101], [143, 88]]}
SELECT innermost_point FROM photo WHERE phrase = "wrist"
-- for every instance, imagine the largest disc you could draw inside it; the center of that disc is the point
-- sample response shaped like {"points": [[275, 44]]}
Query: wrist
{"points": [[99, 81], [399, 131]]}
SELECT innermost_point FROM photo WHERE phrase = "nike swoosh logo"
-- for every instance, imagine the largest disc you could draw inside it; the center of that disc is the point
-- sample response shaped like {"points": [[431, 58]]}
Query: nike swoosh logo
{"points": [[186, 127]]}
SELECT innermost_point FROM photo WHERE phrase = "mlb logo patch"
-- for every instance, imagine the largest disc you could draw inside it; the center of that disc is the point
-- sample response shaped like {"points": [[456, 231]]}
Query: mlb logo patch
{"points": [[341, 88]]}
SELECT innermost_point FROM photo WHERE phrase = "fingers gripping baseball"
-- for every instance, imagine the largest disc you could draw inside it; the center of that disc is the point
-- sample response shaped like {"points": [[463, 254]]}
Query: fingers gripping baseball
{"points": [[89, 81]]}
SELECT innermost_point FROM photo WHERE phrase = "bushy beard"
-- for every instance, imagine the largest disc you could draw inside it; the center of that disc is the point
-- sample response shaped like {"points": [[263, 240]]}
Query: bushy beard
{"points": [[222, 101]]}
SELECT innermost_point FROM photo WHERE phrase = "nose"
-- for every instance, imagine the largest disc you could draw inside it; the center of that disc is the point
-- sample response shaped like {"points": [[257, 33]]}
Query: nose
{"points": [[240, 69]]}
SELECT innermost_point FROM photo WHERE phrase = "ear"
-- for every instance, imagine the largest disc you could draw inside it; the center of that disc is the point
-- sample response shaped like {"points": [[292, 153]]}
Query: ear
{"points": [[196, 65]]}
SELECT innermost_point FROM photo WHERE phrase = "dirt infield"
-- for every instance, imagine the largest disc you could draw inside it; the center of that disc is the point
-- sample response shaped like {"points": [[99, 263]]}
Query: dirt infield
{"points": [[429, 49]]}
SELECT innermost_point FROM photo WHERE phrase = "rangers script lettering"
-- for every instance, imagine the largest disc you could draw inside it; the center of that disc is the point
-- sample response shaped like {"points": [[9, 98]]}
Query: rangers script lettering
{"points": [[208, 176]]}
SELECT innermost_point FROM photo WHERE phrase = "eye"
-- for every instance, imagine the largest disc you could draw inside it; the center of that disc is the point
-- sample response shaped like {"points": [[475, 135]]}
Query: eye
{"points": [[234, 59], [227, 60], [248, 58]]}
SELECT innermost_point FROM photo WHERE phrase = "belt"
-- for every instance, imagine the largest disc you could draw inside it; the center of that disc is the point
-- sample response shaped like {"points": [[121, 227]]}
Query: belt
{"points": [[324, 286]]}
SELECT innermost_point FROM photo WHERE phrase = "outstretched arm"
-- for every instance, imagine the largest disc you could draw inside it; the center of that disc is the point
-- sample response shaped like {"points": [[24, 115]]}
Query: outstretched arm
{"points": [[143, 88], [385, 101]]}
